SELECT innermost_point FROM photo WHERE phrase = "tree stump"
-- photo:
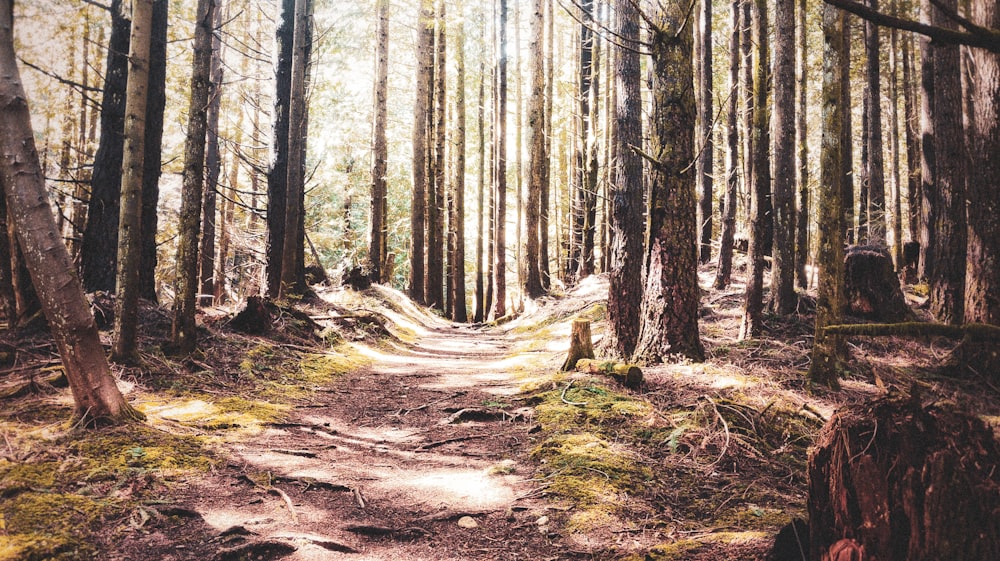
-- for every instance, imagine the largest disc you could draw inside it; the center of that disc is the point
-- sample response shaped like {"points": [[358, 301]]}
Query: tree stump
{"points": [[905, 483], [254, 318], [628, 375], [357, 278], [871, 288], [581, 344], [911, 261]]}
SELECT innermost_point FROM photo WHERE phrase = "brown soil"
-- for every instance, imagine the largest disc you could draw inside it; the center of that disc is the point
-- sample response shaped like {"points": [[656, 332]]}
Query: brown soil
{"points": [[448, 442]]}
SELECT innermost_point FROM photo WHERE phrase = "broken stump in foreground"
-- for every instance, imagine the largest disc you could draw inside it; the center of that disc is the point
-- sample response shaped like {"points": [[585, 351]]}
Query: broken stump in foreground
{"points": [[581, 344], [905, 483]]}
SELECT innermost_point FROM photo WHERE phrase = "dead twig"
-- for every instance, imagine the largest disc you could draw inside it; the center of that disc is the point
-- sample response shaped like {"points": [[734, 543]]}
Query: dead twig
{"points": [[438, 443], [568, 402], [288, 503]]}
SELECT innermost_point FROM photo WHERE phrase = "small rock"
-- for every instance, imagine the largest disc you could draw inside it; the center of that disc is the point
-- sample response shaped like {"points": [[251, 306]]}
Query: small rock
{"points": [[467, 522], [542, 520]]}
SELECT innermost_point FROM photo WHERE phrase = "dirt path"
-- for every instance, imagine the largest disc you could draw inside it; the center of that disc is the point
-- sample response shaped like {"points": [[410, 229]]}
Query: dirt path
{"points": [[419, 457]]}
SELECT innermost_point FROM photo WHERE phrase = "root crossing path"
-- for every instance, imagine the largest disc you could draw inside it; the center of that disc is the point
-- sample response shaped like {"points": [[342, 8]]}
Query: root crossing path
{"points": [[423, 455]]}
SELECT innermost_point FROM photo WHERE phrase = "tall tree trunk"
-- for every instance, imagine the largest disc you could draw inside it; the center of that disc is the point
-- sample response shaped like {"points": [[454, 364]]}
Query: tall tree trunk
{"points": [[184, 333], [222, 266], [912, 144], [519, 248], [212, 168], [277, 175], [873, 135], [156, 100], [100, 238], [378, 234], [724, 270], [802, 163], [847, 135], [670, 302], [590, 185], [480, 311], [982, 287], [628, 228], [293, 246], [947, 276], [123, 347], [760, 181], [928, 157], [499, 226], [456, 221], [826, 361], [8, 307], [434, 280], [537, 156], [783, 299], [421, 131], [705, 147], [543, 216], [896, 223], [95, 395], [584, 199]]}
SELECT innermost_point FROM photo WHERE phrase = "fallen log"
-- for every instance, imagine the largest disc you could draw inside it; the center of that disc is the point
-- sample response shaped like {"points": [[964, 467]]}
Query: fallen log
{"points": [[974, 331], [581, 344], [626, 374]]}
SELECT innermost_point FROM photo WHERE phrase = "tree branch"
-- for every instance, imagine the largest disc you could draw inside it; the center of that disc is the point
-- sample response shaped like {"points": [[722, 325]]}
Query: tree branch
{"points": [[988, 39], [976, 331]]}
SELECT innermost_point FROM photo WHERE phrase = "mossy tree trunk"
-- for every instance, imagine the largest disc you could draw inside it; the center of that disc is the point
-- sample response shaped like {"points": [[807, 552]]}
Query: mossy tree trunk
{"points": [[725, 266], [95, 394], [668, 317], [826, 352], [537, 155], [783, 299]]}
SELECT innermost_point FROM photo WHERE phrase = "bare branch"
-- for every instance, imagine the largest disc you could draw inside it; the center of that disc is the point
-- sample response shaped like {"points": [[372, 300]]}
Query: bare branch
{"points": [[988, 39]]}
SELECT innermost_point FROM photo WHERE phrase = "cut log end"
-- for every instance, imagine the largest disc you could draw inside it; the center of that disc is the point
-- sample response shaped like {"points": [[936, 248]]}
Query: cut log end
{"points": [[629, 375]]}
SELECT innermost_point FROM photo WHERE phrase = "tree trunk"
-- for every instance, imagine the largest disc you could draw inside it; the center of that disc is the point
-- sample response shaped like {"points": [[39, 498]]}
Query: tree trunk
{"points": [[156, 100], [896, 222], [8, 308], [802, 163], [537, 156], [725, 267], [582, 238], [212, 169], [421, 131], [277, 175], [826, 362], [627, 257], [912, 144], [581, 344], [983, 275], [783, 298], [500, 220], [378, 235], [928, 158], [704, 145], [543, 215], [947, 273], [847, 136], [669, 312], [873, 134], [457, 220], [95, 395], [480, 311], [100, 238], [184, 332], [433, 282], [291, 253], [760, 181], [871, 287], [123, 347], [905, 482]]}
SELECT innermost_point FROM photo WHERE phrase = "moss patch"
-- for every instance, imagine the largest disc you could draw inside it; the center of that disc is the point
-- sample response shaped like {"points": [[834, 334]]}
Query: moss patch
{"points": [[49, 526]]}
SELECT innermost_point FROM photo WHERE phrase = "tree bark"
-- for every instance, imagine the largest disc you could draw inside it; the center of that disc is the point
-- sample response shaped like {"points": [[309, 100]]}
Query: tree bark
{"points": [[724, 270], [581, 344], [123, 346], [291, 253], [760, 180], [826, 362], [184, 331], [705, 146], [421, 131], [802, 163], [783, 298], [928, 157], [669, 311], [912, 144], [457, 220], [500, 220], [156, 100], [947, 273], [212, 168], [847, 136], [896, 222], [627, 258], [480, 311], [277, 175], [537, 156], [378, 234], [100, 237], [95, 395], [433, 282], [873, 134]]}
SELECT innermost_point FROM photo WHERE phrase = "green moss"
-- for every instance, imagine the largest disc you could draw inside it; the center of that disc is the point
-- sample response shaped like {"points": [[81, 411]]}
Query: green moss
{"points": [[49, 526], [17, 477], [675, 550], [112, 453], [603, 407]]}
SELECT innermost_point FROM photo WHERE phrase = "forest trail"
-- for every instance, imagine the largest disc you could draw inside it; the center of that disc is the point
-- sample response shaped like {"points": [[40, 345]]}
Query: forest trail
{"points": [[397, 461]]}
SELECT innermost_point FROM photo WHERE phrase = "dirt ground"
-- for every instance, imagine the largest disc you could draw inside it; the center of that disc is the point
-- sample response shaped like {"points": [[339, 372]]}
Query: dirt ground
{"points": [[386, 433]]}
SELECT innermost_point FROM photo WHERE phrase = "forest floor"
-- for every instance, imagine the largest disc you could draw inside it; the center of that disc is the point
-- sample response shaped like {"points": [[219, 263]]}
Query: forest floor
{"points": [[375, 430]]}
